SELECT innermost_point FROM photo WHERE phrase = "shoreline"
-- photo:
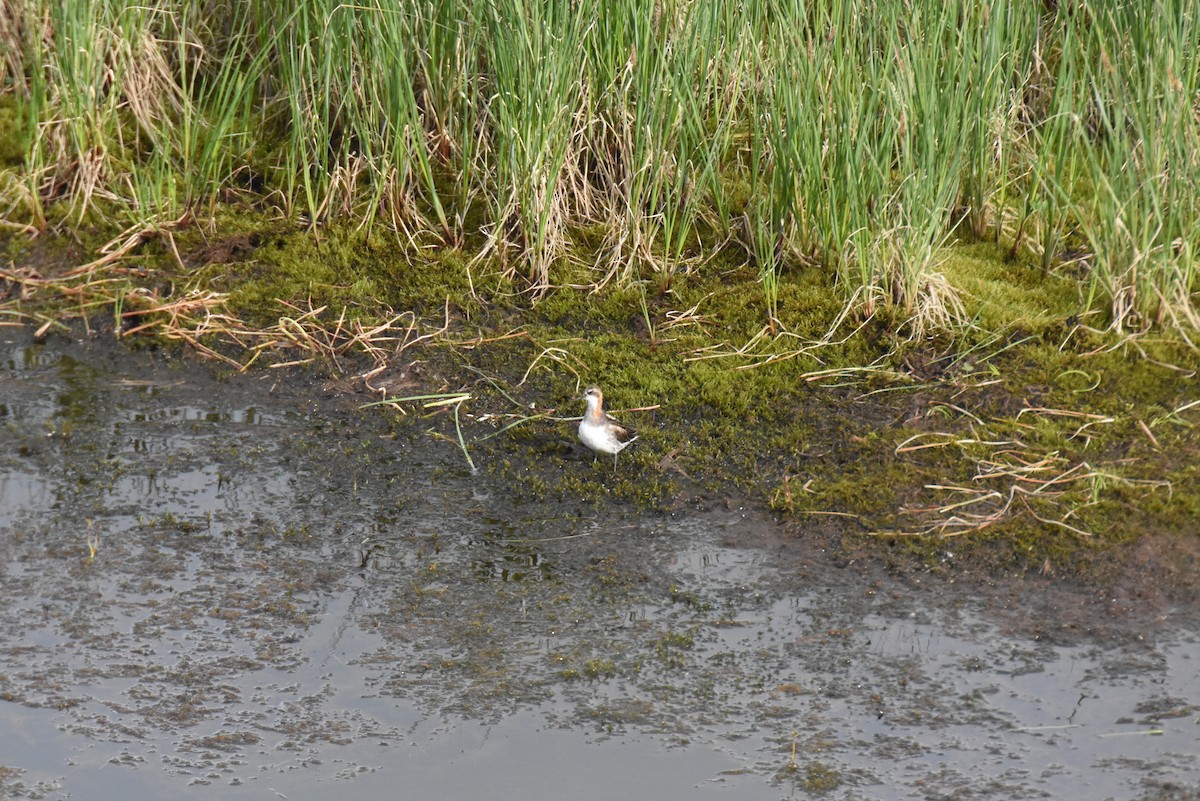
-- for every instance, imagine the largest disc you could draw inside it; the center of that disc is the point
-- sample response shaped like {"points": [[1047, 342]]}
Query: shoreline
{"points": [[1039, 447]]}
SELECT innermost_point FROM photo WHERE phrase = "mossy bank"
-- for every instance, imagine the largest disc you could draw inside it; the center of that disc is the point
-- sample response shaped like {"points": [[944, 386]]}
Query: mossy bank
{"points": [[1028, 437]]}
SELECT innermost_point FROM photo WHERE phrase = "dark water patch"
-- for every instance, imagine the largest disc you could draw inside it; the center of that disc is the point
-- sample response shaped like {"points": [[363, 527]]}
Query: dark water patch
{"points": [[212, 584], [21, 353]]}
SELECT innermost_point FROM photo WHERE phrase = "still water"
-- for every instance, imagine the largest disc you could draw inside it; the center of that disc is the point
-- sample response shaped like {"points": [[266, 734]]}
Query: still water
{"points": [[237, 587]]}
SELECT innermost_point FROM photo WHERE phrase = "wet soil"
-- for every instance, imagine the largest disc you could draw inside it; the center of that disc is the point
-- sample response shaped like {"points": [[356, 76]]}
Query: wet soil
{"points": [[250, 583]]}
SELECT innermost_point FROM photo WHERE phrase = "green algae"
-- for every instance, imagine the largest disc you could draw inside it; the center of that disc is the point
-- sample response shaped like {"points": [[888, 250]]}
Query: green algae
{"points": [[572, 666], [820, 778]]}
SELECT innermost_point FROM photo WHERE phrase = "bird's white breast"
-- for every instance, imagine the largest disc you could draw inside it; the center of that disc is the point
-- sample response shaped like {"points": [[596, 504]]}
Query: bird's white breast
{"points": [[599, 438]]}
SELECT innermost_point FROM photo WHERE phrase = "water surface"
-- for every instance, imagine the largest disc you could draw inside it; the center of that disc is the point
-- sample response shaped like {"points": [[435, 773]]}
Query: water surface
{"points": [[247, 583]]}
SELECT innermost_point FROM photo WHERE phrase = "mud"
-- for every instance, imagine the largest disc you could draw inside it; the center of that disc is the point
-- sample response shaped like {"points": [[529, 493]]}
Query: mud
{"points": [[248, 583]]}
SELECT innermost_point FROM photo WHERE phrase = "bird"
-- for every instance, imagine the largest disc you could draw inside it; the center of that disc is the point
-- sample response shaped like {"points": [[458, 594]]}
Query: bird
{"points": [[600, 432]]}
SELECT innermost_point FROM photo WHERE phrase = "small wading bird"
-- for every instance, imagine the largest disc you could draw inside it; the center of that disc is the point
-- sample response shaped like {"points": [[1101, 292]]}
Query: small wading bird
{"points": [[600, 432]]}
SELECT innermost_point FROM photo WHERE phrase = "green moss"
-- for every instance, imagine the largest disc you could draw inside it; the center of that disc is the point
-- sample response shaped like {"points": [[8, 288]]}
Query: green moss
{"points": [[368, 275], [872, 492], [1001, 293], [12, 132], [807, 449], [675, 640]]}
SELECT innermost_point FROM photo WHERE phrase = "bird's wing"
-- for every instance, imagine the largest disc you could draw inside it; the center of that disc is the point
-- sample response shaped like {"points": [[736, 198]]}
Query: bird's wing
{"points": [[622, 433]]}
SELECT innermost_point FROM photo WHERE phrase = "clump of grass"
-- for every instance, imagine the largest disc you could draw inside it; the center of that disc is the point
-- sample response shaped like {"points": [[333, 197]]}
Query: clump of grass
{"points": [[535, 100]]}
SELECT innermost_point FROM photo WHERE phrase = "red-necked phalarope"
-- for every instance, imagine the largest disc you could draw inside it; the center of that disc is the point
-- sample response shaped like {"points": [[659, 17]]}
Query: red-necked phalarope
{"points": [[600, 432]]}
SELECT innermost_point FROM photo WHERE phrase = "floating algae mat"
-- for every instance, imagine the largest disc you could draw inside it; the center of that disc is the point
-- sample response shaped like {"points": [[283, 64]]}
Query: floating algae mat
{"points": [[250, 584]]}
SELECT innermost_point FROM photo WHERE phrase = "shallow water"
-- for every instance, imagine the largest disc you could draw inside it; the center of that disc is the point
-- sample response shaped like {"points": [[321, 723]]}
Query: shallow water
{"points": [[287, 600]]}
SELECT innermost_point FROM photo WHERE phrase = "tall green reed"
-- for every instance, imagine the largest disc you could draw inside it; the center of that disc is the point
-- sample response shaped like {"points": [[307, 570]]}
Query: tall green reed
{"points": [[533, 51], [1056, 140], [447, 43], [781, 109], [997, 50], [650, 126], [667, 89], [927, 94], [847, 161], [21, 193], [1141, 219], [384, 121]]}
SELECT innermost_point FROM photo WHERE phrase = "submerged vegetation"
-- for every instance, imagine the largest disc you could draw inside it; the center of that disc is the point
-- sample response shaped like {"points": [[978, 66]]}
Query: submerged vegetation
{"points": [[638, 138], [908, 268]]}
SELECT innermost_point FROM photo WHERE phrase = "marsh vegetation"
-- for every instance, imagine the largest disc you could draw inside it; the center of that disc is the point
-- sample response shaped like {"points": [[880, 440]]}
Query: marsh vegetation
{"points": [[641, 138]]}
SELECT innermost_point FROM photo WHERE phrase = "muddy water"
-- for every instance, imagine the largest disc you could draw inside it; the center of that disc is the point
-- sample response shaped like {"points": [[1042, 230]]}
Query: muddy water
{"points": [[241, 588]]}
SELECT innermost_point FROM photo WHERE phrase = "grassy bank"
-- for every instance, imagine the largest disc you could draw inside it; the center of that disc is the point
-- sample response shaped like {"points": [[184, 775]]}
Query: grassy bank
{"points": [[634, 140]]}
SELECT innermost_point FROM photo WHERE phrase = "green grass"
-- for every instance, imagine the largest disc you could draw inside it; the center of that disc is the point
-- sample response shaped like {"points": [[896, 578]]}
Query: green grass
{"points": [[635, 139]]}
